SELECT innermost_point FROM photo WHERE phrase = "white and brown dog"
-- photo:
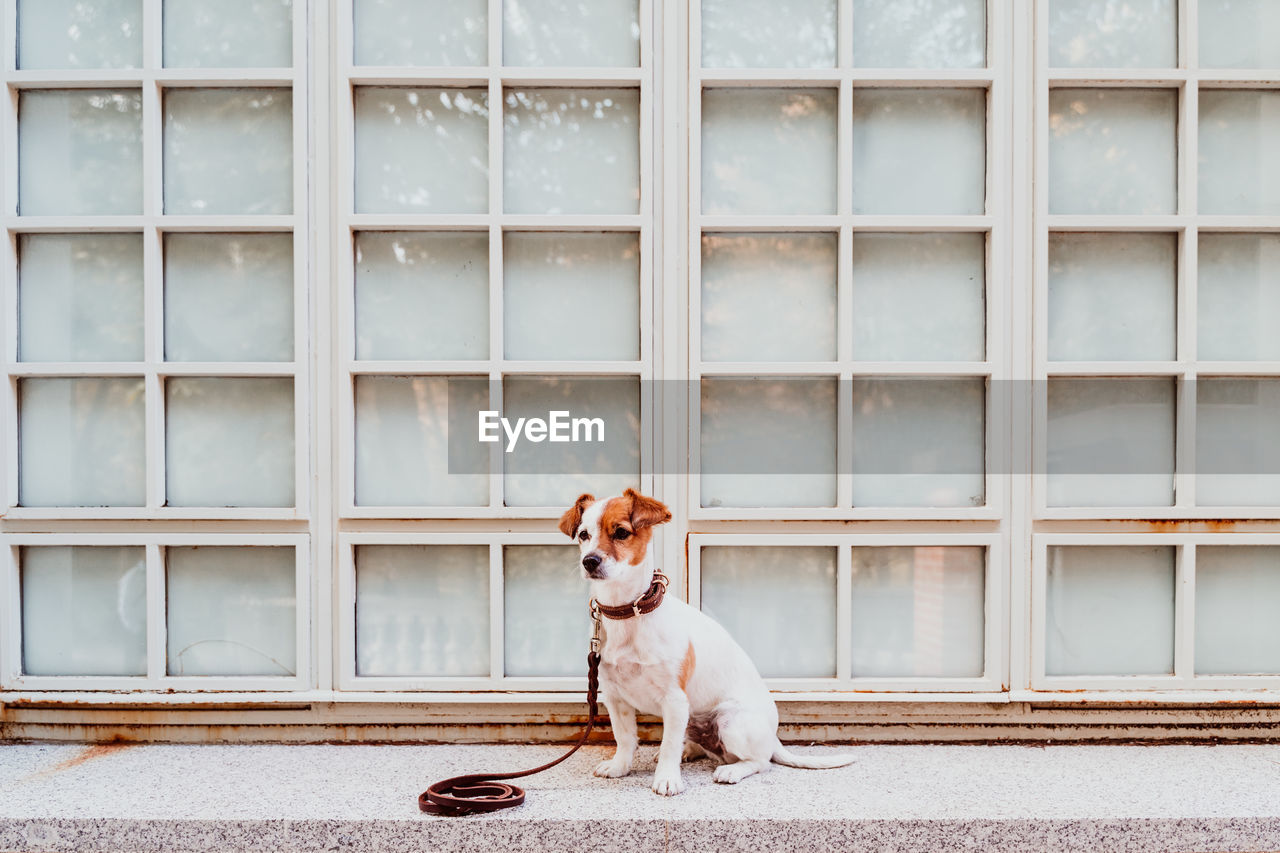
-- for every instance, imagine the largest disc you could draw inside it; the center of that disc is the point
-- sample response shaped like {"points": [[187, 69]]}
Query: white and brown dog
{"points": [[674, 661]]}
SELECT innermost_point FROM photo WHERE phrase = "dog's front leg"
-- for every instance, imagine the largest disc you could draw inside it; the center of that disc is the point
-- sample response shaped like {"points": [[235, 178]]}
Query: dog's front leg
{"points": [[675, 720], [622, 717]]}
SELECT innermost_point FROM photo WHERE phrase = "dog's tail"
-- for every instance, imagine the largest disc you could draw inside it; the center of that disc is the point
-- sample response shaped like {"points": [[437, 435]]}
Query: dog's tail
{"points": [[782, 755]]}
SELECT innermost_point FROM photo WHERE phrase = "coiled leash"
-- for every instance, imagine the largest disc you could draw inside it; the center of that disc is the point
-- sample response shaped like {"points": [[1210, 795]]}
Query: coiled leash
{"points": [[485, 792], [488, 792]]}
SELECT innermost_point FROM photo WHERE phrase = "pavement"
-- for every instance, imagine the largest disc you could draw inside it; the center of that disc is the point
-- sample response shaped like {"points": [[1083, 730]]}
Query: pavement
{"points": [[156, 797]]}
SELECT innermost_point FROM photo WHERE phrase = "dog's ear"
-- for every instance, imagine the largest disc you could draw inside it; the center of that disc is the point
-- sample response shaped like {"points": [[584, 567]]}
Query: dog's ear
{"points": [[646, 511], [573, 515]]}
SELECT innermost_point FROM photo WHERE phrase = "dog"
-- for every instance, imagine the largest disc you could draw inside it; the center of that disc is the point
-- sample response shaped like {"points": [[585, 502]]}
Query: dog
{"points": [[674, 661]]}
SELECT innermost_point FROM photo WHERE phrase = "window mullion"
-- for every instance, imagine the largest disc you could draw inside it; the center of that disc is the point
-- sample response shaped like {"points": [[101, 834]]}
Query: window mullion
{"points": [[156, 621]]}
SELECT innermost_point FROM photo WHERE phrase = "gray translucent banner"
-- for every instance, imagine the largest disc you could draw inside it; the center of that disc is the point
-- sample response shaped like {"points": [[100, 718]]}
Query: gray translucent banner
{"points": [[872, 427]]}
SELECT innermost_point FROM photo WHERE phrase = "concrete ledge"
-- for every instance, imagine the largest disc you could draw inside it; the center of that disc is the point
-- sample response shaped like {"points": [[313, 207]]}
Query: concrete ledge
{"points": [[304, 798]]}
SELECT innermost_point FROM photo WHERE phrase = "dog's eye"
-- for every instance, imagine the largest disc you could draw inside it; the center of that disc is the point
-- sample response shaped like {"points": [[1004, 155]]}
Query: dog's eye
{"points": [[621, 533], [582, 536]]}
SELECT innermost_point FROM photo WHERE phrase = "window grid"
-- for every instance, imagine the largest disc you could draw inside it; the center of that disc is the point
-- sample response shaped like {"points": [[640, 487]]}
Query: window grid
{"points": [[1183, 677], [988, 687], [496, 678], [845, 79], [495, 78], [1016, 650], [156, 679], [234, 526], [154, 80], [1186, 81]]}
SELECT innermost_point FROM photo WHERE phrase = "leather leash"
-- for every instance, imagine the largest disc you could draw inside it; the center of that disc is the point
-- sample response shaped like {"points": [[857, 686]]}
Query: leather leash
{"points": [[488, 792], [485, 792]]}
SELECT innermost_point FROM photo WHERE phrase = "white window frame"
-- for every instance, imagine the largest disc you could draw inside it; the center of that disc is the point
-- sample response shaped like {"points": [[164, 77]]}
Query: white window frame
{"points": [[1187, 223], [156, 680], [348, 679], [1183, 524], [152, 80], [495, 77], [296, 526], [1015, 526], [994, 79], [1183, 680], [989, 687]]}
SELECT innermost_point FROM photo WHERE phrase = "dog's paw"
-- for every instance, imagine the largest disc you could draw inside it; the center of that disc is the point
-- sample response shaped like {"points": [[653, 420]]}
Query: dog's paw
{"points": [[732, 774], [612, 769], [668, 784]]}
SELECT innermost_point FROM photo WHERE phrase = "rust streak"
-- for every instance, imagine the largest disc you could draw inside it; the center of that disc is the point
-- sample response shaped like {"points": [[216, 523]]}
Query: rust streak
{"points": [[1191, 525], [97, 750]]}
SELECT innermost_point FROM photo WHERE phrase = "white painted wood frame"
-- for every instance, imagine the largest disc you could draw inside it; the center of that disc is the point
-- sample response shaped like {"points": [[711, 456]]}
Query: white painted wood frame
{"points": [[495, 78], [1016, 526]]}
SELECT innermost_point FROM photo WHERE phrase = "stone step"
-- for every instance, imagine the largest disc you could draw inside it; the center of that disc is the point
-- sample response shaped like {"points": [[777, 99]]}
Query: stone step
{"points": [[156, 797]]}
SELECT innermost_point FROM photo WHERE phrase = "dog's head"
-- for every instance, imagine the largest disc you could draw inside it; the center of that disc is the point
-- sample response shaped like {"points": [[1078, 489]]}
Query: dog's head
{"points": [[613, 534]]}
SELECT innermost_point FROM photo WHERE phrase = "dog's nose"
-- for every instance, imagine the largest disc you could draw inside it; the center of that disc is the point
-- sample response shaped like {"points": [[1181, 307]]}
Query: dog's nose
{"points": [[591, 562]]}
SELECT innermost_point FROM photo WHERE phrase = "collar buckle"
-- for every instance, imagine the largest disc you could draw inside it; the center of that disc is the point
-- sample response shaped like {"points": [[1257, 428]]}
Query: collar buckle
{"points": [[596, 626]]}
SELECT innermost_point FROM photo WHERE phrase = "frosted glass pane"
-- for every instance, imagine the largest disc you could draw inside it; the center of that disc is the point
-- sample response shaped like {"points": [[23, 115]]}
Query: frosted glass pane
{"points": [[228, 33], [422, 150], [232, 611], [918, 612], [84, 611], [1109, 610], [1239, 158], [1110, 442], [1113, 33], [422, 295], [566, 33], [1112, 151], [81, 442], [768, 442], [421, 32], [919, 442], [1239, 297], [402, 441], [1237, 598], [1112, 297], [79, 152], [1237, 455], [545, 601], [921, 34], [557, 287], [228, 297], [1239, 34], [229, 442], [769, 151], [768, 34], [778, 603], [422, 610], [769, 297], [79, 33], [542, 474], [919, 297], [228, 151], [80, 297], [571, 151], [919, 151]]}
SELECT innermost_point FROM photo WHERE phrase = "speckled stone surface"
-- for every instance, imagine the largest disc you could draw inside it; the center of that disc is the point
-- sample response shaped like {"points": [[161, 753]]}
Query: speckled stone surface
{"points": [[313, 798]]}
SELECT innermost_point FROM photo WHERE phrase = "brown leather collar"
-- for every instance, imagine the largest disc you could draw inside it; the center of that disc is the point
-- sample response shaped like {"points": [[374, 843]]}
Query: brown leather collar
{"points": [[646, 603]]}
